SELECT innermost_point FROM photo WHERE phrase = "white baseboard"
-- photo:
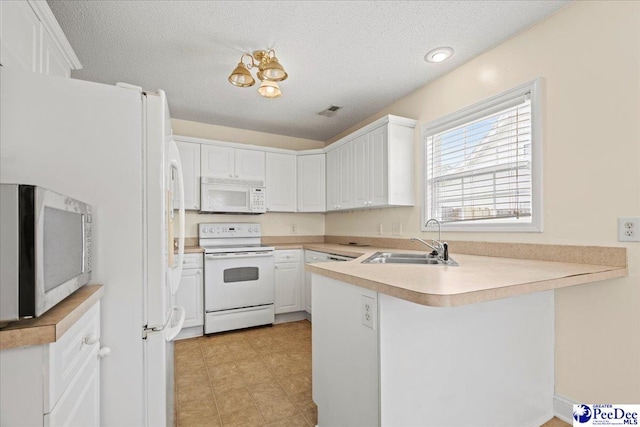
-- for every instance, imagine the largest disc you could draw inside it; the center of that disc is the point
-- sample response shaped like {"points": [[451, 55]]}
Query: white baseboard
{"points": [[563, 408], [291, 317], [194, 331]]}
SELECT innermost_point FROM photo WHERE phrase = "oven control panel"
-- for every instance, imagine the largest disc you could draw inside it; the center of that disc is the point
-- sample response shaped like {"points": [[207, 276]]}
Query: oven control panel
{"points": [[228, 229]]}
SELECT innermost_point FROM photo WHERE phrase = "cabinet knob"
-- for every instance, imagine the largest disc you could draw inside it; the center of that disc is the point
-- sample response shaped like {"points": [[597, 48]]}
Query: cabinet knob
{"points": [[91, 339], [236, 176], [199, 272], [104, 352], [276, 267], [230, 175]]}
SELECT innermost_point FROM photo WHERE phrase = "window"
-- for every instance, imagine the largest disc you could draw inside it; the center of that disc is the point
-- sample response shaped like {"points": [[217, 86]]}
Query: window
{"points": [[482, 165]]}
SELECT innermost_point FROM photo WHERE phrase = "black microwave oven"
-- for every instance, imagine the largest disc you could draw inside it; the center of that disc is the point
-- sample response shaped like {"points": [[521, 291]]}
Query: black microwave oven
{"points": [[45, 249]]}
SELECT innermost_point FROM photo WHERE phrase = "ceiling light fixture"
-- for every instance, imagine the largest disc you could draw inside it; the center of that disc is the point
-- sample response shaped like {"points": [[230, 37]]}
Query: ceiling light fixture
{"points": [[269, 72], [439, 54]]}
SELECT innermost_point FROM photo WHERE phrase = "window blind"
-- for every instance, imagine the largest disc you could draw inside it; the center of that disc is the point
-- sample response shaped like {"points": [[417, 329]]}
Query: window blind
{"points": [[479, 167]]}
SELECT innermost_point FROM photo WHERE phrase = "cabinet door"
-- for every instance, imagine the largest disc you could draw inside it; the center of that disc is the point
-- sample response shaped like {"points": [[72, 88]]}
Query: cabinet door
{"points": [[281, 182], [52, 62], [287, 278], [361, 166], [190, 296], [80, 403], [333, 179], [20, 36], [311, 183], [249, 165], [217, 162], [307, 292], [378, 172], [190, 159], [344, 176]]}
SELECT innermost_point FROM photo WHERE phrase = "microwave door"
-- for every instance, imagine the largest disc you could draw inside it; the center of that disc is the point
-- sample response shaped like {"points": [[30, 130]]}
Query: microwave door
{"points": [[231, 199]]}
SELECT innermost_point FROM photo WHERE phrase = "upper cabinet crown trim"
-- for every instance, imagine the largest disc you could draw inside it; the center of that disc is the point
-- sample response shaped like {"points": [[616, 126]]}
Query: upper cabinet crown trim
{"points": [[232, 144], [402, 121], [397, 120], [246, 146], [45, 15]]}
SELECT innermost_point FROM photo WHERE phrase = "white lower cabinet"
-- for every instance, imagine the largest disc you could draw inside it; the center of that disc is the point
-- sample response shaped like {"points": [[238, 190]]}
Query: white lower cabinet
{"points": [[55, 384], [190, 296], [288, 281], [309, 258]]}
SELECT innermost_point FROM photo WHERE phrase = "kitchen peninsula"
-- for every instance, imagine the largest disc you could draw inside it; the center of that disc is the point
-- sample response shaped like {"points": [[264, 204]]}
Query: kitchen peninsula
{"points": [[403, 345]]}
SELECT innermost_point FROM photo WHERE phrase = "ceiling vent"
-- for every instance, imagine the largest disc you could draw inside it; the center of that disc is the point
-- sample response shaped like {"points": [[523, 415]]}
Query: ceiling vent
{"points": [[331, 111]]}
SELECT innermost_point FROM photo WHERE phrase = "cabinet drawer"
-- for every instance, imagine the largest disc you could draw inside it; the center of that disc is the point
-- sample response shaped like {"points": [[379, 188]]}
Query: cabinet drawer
{"points": [[65, 357], [290, 255], [192, 261]]}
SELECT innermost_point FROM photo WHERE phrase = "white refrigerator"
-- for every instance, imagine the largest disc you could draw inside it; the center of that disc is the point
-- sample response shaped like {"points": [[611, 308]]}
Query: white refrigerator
{"points": [[110, 146]]}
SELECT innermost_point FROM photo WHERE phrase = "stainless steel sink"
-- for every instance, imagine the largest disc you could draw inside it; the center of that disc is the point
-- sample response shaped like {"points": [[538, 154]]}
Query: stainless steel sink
{"points": [[405, 258]]}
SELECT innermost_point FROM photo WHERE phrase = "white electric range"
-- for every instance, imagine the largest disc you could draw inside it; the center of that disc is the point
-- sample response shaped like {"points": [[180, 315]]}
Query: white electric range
{"points": [[239, 285]]}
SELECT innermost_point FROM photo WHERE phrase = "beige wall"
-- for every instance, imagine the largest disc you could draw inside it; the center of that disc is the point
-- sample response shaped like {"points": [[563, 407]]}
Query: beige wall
{"points": [[589, 56], [273, 224], [223, 133]]}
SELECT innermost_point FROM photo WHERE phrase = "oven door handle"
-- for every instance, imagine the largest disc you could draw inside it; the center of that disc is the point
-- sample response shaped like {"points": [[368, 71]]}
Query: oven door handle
{"points": [[239, 255]]}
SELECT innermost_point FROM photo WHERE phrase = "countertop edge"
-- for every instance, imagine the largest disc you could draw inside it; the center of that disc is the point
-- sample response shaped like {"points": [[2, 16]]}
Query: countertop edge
{"points": [[466, 298], [53, 324]]}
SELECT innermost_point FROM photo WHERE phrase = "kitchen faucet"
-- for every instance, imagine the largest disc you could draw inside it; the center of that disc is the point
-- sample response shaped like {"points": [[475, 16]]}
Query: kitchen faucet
{"points": [[441, 248]]}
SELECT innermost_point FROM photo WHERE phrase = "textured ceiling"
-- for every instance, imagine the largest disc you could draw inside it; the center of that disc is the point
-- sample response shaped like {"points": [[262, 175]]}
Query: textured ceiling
{"points": [[360, 55]]}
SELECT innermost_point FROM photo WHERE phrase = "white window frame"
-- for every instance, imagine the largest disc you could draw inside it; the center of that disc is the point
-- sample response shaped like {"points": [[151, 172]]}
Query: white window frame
{"points": [[470, 113]]}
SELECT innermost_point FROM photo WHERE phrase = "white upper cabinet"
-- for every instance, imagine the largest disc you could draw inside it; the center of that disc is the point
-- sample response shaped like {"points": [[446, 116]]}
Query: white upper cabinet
{"points": [[333, 192], [340, 178], [250, 165], [281, 182], [311, 183], [232, 163], [190, 159], [31, 39], [380, 173], [217, 162], [20, 36]]}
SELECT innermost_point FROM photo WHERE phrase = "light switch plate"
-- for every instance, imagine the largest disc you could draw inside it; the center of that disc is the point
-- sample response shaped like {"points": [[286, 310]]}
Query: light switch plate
{"points": [[396, 229]]}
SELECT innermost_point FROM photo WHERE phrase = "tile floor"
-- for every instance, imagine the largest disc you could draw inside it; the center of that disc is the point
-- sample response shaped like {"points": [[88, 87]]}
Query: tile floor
{"points": [[255, 377]]}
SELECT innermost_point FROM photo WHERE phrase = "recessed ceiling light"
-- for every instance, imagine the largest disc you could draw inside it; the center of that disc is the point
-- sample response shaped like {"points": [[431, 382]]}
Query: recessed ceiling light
{"points": [[438, 54]]}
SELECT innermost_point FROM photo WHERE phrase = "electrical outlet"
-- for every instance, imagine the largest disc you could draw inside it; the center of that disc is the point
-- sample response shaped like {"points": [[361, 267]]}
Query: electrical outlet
{"points": [[294, 228], [379, 229], [369, 312], [396, 229], [629, 229]]}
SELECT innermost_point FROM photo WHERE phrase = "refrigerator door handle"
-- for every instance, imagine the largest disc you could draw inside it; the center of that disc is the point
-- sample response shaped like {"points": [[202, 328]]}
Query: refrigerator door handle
{"points": [[172, 331], [175, 164]]}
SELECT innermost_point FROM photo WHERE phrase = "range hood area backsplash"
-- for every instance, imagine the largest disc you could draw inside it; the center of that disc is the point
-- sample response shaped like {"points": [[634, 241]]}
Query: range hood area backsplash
{"points": [[273, 223]]}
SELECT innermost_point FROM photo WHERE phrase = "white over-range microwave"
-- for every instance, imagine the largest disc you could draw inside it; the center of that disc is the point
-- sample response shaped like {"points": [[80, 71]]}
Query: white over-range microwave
{"points": [[221, 195]]}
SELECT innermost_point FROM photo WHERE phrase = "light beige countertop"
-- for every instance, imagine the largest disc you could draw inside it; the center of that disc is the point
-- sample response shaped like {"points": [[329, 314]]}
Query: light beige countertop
{"points": [[511, 269], [476, 279], [54, 323], [193, 249]]}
